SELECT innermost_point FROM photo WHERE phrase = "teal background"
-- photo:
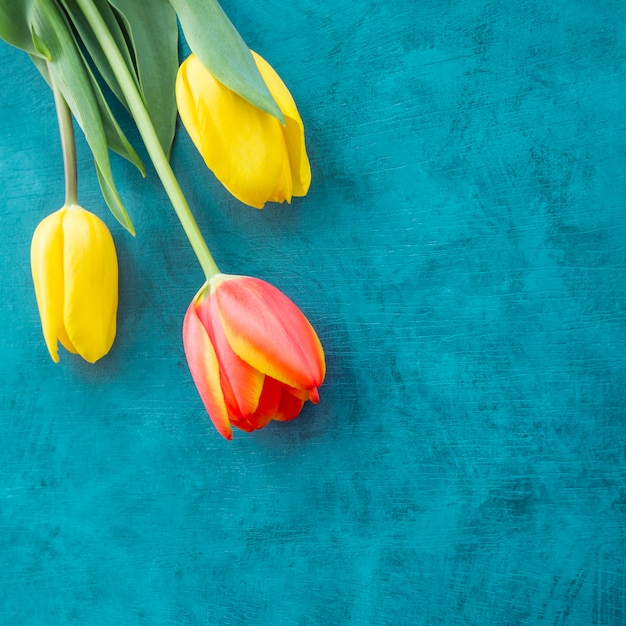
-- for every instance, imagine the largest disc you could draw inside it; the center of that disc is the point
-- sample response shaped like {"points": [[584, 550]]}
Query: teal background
{"points": [[462, 254]]}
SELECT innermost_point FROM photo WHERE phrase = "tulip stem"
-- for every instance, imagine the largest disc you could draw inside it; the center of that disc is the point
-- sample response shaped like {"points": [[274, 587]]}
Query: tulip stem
{"points": [[142, 118], [68, 144]]}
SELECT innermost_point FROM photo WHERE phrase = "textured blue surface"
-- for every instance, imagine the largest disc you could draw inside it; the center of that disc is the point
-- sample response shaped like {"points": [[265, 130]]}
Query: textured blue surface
{"points": [[462, 254]]}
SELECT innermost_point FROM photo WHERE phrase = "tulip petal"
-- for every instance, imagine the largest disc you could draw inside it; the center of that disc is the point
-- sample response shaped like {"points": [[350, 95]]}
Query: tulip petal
{"points": [[47, 270], [90, 294], [269, 402], [269, 332], [242, 145], [283, 190], [289, 408], [204, 368], [293, 130], [305, 394], [243, 424], [241, 383]]}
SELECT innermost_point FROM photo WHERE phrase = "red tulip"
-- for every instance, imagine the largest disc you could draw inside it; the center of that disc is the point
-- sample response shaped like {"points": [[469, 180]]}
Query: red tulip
{"points": [[253, 355]]}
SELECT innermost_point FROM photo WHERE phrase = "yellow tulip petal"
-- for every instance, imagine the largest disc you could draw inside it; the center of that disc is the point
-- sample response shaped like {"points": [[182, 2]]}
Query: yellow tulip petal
{"points": [[46, 256], [293, 130], [186, 101], [90, 295], [242, 145], [283, 190]]}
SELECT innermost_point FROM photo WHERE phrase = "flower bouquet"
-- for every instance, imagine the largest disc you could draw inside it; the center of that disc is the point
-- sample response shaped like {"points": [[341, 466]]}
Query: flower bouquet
{"points": [[253, 355]]}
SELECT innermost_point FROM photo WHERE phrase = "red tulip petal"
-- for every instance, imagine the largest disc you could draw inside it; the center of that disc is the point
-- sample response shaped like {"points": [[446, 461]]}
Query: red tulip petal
{"points": [[304, 394], [268, 331], [202, 312], [314, 396], [205, 372], [289, 408], [243, 424], [269, 402], [241, 383]]}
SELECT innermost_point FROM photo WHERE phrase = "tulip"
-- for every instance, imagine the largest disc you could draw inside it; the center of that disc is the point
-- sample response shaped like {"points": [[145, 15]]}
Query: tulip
{"points": [[253, 355], [255, 157], [74, 269]]}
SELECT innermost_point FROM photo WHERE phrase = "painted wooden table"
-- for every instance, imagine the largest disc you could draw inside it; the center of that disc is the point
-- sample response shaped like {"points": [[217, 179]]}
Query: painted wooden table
{"points": [[462, 254]]}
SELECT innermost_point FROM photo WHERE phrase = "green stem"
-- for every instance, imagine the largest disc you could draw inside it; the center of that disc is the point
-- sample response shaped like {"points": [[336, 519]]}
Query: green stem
{"points": [[68, 145], [149, 135]]}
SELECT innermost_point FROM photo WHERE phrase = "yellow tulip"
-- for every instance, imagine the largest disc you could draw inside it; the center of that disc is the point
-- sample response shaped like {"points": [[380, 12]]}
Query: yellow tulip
{"points": [[255, 157], [74, 267]]}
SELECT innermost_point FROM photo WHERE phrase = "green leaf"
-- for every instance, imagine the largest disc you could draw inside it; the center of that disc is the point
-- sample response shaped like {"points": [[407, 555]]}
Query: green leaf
{"points": [[73, 79], [215, 41], [15, 24], [113, 200], [41, 65], [93, 47], [116, 139], [40, 46], [153, 31]]}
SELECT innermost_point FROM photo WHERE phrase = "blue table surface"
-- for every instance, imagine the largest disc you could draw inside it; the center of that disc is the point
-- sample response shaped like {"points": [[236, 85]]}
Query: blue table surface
{"points": [[462, 254]]}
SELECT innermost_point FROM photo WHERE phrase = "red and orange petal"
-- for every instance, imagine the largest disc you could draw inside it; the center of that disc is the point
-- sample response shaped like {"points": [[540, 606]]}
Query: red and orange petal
{"points": [[204, 368], [268, 331], [242, 424], [305, 394], [241, 383], [269, 403], [289, 408]]}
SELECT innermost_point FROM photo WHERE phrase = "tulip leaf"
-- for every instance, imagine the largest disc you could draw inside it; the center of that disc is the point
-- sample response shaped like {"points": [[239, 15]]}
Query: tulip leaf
{"points": [[215, 41], [15, 24], [93, 47], [113, 200], [116, 139], [40, 46], [68, 69], [153, 32]]}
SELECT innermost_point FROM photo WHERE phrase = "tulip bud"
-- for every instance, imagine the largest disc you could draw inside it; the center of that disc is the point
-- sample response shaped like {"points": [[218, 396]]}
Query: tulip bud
{"points": [[253, 355], [256, 158], [74, 269]]}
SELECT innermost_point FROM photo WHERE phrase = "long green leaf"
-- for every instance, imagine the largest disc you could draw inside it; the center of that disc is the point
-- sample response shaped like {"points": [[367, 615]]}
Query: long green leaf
{"points": [[113, 200], [116, 139], [94, 48], [152, 59], [215, 41], [52, 35], [15, 24], [153, 30]]}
